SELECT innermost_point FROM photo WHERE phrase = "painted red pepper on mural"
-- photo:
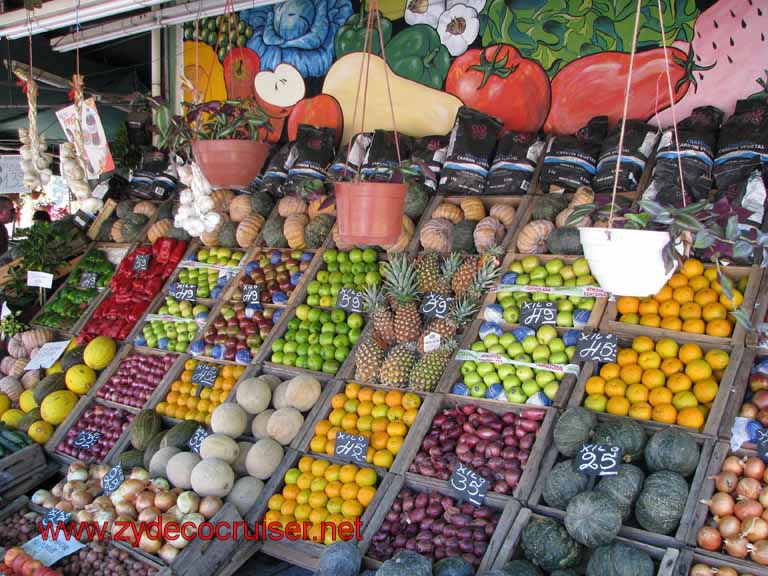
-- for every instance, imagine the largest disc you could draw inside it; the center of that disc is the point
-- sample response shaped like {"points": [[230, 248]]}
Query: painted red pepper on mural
{"points": [[497, 80]]}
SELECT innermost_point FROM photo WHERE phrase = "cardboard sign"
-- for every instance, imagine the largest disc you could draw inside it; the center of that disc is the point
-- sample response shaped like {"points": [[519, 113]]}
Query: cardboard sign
{"points": [[762, 444], [251, 294], [596, 347], [196, 441], [183, 291], [11, 175], [205, 374], [351, 447], [86, 439], [48, 552], [536, 314], [435, 306], [432, 342], [98, 156], [88, 280], [47, 355], [141, 262], [39, 279], [598, 460], [468, 485], [113, 479], [350, 300], [55, 516]]}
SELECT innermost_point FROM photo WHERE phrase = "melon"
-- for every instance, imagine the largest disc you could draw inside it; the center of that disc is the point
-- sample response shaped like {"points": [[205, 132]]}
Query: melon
{"points": [[263, 458], [179, 469], [159, 463], [26, 401], [145, 426], [229, 419], [57, 406], [253, 395], [79, 378], [278, 396], [239, 466], [99, 352], [213, 477], [302, 392], [259, 424], [244, 494], [220, 447], [284, 424]]}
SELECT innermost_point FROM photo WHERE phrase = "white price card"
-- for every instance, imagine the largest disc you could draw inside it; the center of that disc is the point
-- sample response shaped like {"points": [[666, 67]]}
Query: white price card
{"points": [[47, 355], [5, 312], [39, 279], [51, 551]]}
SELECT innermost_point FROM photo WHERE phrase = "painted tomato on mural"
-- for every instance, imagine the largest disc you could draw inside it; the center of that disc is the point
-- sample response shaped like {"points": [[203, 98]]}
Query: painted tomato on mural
{"points": [[497, 80], [594, 86], [322, 111]]}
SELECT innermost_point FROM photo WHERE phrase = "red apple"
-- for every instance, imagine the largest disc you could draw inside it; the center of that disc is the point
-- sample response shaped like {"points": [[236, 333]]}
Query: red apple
{"points": [[322, 111], [241, 65]]}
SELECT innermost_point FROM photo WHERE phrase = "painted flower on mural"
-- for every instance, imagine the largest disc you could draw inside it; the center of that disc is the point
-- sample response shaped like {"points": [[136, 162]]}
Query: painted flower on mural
{"points": [[458, 27], [297, 32]]}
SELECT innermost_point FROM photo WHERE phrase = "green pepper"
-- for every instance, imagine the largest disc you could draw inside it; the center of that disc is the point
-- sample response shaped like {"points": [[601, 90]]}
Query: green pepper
{"points": [[416, 53], [351, 36]]}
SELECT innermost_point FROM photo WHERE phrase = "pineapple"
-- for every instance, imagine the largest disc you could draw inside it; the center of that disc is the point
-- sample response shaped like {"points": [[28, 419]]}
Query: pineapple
{"points": [[398, 365], [428, 271], [429, 369], [449, 267], [462, 309], [369, 357], [381, 316], [400, 283], [486, 268]]}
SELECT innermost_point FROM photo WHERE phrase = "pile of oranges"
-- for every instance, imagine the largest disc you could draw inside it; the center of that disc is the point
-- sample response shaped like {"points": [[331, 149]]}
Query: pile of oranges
{"points": [[661, 381], [189, 401], [383, 416], [319, 491], [691, 301]]}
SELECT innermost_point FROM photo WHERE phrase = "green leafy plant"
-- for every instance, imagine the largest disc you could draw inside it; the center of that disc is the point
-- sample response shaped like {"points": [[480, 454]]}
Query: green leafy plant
{"points": [[11, 325]]}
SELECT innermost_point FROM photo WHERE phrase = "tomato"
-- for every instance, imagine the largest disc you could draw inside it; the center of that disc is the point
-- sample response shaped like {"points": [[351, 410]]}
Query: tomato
{"points": [[498, 81], [594, 86], [322, 111]]}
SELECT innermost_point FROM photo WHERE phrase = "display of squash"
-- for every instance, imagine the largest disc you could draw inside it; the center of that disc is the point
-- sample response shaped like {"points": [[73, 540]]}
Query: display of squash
{"points": [[145, 207], [488, 233], [504, 213], [473, 208], [449, 211], [435, 235], [240, 208], [293, 229], [159, 229], [248, 229], [291, 205], [532, 238], [221, 199], [313, 209]]}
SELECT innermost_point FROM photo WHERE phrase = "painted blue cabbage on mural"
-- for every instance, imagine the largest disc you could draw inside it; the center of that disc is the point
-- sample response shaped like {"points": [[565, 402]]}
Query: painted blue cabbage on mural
{"points": [[297, 32]]}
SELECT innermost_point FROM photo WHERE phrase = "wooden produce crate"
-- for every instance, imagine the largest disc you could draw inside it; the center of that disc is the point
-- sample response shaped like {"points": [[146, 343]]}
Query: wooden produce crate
{"points": [[689, 558], [610, 322], [738, 393], [21, 471], [306, 553], [664, 558], [436, 404], [509, 510], [631, 530], [759, 337], [323, 410], [712, 424], [701, 515]]}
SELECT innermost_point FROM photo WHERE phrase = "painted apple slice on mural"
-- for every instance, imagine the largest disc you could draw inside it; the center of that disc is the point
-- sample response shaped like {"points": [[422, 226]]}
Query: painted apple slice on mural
{"points": [[277, 92], [322, 111], [240, 68]]}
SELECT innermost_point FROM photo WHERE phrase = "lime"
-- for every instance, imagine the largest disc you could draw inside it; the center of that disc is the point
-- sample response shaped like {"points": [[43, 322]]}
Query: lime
{"points": [[331, 366], [277, 357], [372, 278], [330, 255], [314, 349], [360, 278], [328, 352], [301, 349], [341, 341], [342, 328], [342, 257], [293, 323], [338, 316], [369, 255], [301, 362], [313, 287], [355, 255], [329, 328], [345, 268], [333, 267], [314, 300], [313, 338], [325, 290], [326, 301], [326, 339], [314, 315], [322, 276], [290, 347], [315, 362], [316, 327], [325, 316], [355, 320], [289, 358], [341, 354], [302, 336], [354, 335]]}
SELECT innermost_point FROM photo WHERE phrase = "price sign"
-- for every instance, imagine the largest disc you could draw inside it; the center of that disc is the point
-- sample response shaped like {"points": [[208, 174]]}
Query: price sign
{"points": [[351, 447], [205, 374], [431, 342], [88, 280], [141, 262], [196, 441], [47, 355], [596, 347], [83, 219], [535, 314], [251, 293], [434, 305], [49, 551], [86, 439], [183, 291], [598, 460], [55, 516], [39, 279], [350, 300], [113, 479], [468, 484], [762, 444]]}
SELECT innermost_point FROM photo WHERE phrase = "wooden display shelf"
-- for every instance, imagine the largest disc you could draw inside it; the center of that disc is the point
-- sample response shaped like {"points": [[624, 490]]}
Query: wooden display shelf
{"points": [[611, 322], [689, 558], [631, 531], [664, 558], [738, 393], [759, 337], [21, 471]]}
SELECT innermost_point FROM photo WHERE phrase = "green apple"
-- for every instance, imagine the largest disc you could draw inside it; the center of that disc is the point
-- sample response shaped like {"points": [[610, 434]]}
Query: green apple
{"points": [[587, 280], [544, 377], [530, 387], [564, 306], [511, 315], [478, 390], [506, 299], [545, 333], [530, 342], [580, 267], [522, 280], [539, 297], [567, 272], [511, 382], [554, 266], [516, 396], [478, 347], [570, 282], [467, 367], [559, 376], [540, 353], [570, 351], [556, 345], [484, 368], [538, 273], [550, 390], [472, 379], [507, 339], [564, 319], [504, 370], [522, 358], [497, 349], [515, 349], [587, 303], [490, 340], [529, 263], [524, 373], [516, 267], [554, 280], [491, 378], [538, 282], [558, 358]]}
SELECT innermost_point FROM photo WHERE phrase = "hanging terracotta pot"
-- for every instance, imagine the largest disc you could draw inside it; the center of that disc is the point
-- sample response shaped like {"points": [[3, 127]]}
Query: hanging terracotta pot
{"points": [[369, 212], [228, 163]]}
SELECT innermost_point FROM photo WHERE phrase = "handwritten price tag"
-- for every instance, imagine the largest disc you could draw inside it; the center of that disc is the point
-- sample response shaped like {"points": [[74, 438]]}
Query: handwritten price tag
{"points": [[205, 374], [762, 444], [55, 516], [87, 280], [86, 439], [183, 291], [535, 314], [47, 355], [141, 262], [48, 552], [468, 484], [351, 447], [350, 300], [113, 479], [196, 441], [435, 306], [39, 279], [251, 294], [598, 460], [596, 347]]}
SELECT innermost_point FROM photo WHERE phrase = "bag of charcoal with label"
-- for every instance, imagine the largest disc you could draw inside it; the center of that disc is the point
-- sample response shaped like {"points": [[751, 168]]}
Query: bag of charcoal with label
{"points": [[639, 143], [517, 155], [571, 160], [743, 144]]}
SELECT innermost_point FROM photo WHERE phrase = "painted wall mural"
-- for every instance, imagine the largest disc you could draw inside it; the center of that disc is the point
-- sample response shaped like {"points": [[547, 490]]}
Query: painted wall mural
{"points": [[534, 64]]}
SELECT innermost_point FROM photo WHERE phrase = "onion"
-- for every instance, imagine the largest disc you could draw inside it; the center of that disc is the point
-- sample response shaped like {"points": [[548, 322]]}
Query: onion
{"points": [[98, 471], [725, 481], [164, 500], [104, 517], [70, 486], [733, 464], [727, 571], [130, 489], [139, 474], [144, 500], [49, 502], [709, 538], [65, 506], [125, 509], [118, 525], [77, 471], [747, 508], [209, 506], [159, 485], [759, 552], [729, 526], [736, 547], [150, 540], [754, 529], [754, 468], [168, 553], [81, 498], [149, 514], [701, 570], [188, 502], [721, 504], [749, 488], [39, 495]]}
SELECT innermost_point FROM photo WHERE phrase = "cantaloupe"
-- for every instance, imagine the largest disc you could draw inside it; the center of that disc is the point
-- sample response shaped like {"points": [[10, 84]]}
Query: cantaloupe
{"points": [[159, 462], [240, 468], [284, 424], [278, 395], [213, 477], [221, 447], [244, 493], [259, 424], [263, 458], [229, 419], [253, 395], [302, 392], [179, 469]]}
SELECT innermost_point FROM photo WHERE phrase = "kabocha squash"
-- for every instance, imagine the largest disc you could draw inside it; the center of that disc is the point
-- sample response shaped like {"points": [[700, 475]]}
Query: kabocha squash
{"points": [[565, 241], [291, 205], [462, 236], [619, 559], [573, 429], [406, 562], [563, 483], [124, 207], [340, 559], [273, 232], [450, 212], [145, 426], [248, 230], [473, 208], [159, 229], [674, 450], [145, 207], [6, 364], [547, 543], [36, 337], [662, 502], [504, 213], [240, 208], [436, 235], [623, 487], [221, 199], [547, 207], [583, 195], [17, 371], [294, 230], [226, 235], [626, 434], [262, 203], [415, 201], [117, 231], [314, 208], [317, 230], [489, 232], [532, 238], [593, 519], [520, 568], [458, 567]]}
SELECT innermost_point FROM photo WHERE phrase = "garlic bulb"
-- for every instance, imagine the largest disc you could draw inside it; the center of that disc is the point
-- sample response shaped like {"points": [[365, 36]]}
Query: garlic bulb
{"points": [[195, 212]]}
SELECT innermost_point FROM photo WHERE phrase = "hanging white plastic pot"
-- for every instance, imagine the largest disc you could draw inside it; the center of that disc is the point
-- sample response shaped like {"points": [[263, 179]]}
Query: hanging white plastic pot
{"points": [[627, 262]]}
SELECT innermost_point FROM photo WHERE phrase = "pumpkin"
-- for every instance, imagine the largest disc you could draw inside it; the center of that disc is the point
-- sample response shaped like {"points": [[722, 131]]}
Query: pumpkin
{"points": [[662, 502], [117, 231], [6, 364], [314, 207], [547, 543], [489, 232], [291, 205], [36, 337], [159, 229], [674, 450], [11, 387], [547, 207], [626, 434], [248, 230], [583, 195], [473, 208], [463, 236], [16, 347], [518, 568], [435, 235], [145, 207], [406, 234], [619, 559], [293, 229], [623, 487], [449, 212], [18, 367], [593, 519], [573, 429], [562, 219], [565, 241], [532, 239], [221, 199], [240, 208], [563, 483], [504, 213]]}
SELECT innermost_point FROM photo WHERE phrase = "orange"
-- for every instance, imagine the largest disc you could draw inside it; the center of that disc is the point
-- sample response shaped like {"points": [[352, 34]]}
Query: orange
{"points": [[698, 283], [304, 481], [641, 411], [347, 473], [659, 396], [394, 398], [365, 394], [334, 506], [653, 378], [631, 374], [333, 489], [637, 393], [667, 348], [595, 385], [330, 447], [331, 434], [671, 324], [720, 328], [305, 463], [316, 516], [383, 459], [379, 440], [717, 358], [218, 384], [317, 444], [615, 387], [678, 383], [397, 429], [664, 294], [335, 416], [176, 386], [692, 267], [626, 356], [629, 319], [272, 516], [351, 390], [160, 408], [364, 423], [691, 418], [705, 390], [648, 306], [302, 512], [669, 309], [690, 310], [379, 397], [322, 427], [732, 304], [291, 491], [642, 344], [410, 416], [618, 406], [411, 401], [349, 491], [365, 495], [275, 502], [366, 477], [364, 408], [319, 467], [190, 364], [665, 413], [288, 507], [237, 371], [332, 472], [351, 405], [369, 455], [705, 296], [338, 401], [677, 280], [395, 443], [395, 413], [683, 400], [609, 371], [648, 360], [694, 326], [683, 294], [698, 370], [689, 351], [351, 508], [627, 305], [714, 311], [379, 425], [650, 320], [711, 273]]}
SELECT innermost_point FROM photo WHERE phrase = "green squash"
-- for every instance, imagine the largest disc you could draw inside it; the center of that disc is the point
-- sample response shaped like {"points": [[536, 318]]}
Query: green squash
{"points": [[674, 450], [178, 234], [136, 219], [562, 484], [179, 435], [521, 568], [624, 487], [573, 429], [124, 208], [72, 358], [132, 459], [262, 203], [453, 567], [164, 210], [626, 434], [593, 519], [462, 239], [619, 559], [317, 230], [48, 385], [548, 206], [340, 559], [566, 240], [105, 231], [662, 502], [130, 231], [547, 543], [145, 426], [28, 419], [226, 235], [405, 563], [272, 232], [415, 202]]}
